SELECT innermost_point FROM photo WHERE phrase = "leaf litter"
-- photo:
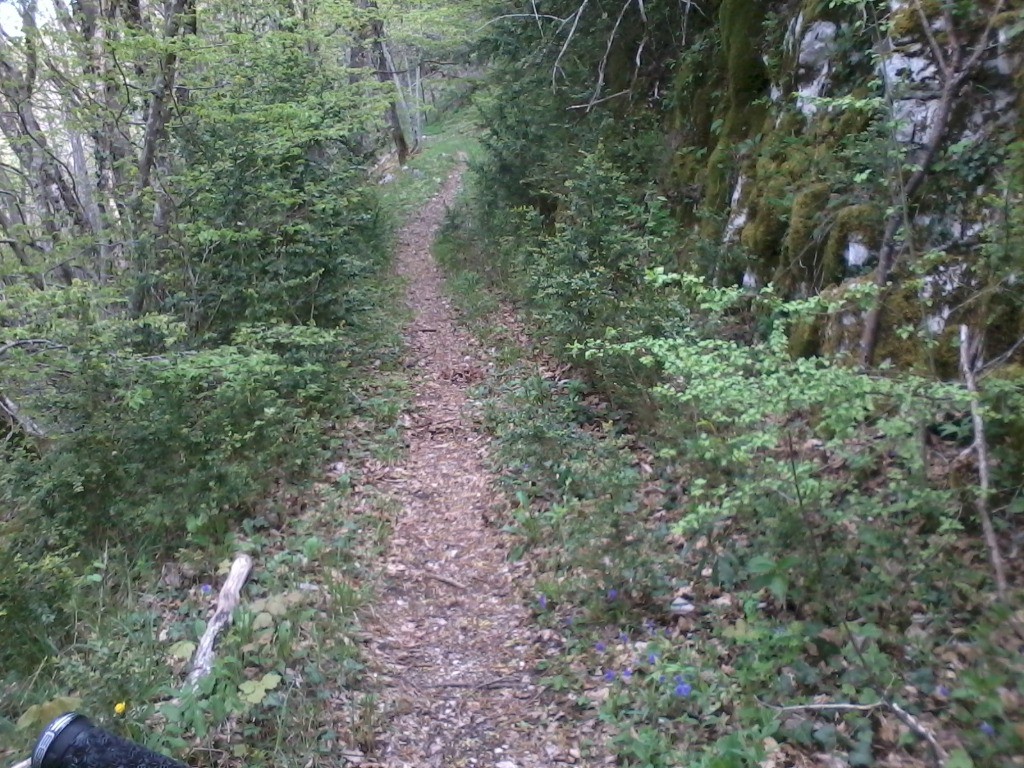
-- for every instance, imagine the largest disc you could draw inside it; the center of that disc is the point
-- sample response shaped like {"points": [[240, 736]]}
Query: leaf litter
{"points": [[453, 651]]}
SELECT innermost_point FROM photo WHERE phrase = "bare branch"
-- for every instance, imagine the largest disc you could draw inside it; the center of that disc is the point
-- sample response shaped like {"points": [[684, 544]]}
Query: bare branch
{"points": [[939, 756], [521, 16], [45, 343], [565, 46], [981, 47], [590, 104], [27, 424], [969, 357], [607, 52], [926, 27], [825, 707]]}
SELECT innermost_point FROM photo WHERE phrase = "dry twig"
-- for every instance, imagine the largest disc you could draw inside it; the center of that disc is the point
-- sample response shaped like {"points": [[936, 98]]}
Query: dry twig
{"points": [[445, 580]]}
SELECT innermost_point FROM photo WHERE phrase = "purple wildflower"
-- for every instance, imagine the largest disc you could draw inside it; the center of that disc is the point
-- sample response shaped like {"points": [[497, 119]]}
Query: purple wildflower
{"points": [[613, 594], [942, 691], [652, 658], [683, 690], [627, 673], [600, 647], [609, 676], [542, 601], [987, 729], [205, 589]]}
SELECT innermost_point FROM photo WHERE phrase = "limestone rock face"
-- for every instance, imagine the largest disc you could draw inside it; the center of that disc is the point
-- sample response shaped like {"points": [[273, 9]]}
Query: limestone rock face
{"points": [[824, 118]]}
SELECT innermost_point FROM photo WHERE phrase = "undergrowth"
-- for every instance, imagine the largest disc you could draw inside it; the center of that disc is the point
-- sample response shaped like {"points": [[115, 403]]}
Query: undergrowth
{"points": [[124, 523], [745, 558]]}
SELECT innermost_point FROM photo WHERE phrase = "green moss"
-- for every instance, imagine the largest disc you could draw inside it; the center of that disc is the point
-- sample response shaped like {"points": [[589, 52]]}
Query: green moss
{"points": [[840, 330], [803, 247], [1006, 18], [784, 159], [717, 178], [863, 221], [906, 22], [740, 22], [805, 338], [747, 79], [901, 307], [766, 228]]}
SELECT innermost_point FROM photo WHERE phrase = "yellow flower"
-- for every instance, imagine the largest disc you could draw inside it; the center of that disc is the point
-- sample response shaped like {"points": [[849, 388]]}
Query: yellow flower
{"points": [[120, 708]]}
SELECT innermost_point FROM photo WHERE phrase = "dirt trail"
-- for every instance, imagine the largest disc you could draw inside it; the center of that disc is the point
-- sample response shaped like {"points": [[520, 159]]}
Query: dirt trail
{"points": [[453, 649]]}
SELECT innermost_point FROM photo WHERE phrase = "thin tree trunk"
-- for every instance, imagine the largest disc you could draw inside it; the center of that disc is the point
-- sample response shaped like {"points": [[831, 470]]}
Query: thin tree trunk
{"points": [[954, 71], [156, 117], [969, 350]]}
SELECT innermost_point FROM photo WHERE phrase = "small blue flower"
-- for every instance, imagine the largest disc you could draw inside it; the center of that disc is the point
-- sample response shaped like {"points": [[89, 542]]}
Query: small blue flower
{"points": [[942, 691], [613, 594], [652, 658], [542, 601], [627, 673], [987, 729], [600, 647], [683, 690], [609, 676], [206, 589]]}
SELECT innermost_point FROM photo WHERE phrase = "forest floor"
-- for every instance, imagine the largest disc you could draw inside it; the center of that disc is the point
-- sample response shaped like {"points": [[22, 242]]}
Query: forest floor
{"points": [[454, 651]]}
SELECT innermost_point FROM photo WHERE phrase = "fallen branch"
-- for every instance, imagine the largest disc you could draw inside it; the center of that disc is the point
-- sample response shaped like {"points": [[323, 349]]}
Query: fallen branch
{"points": [[25, 423], [505, 681], [445, 580], [825, 707], [44, 343], [24, 764], [227, 601], [968, 361], [939, 756]]}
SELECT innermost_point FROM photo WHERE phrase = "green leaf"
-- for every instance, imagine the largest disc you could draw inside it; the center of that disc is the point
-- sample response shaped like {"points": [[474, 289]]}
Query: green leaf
{"points": [[959, 758], [41, 715], [270, 681], [183, 649]]}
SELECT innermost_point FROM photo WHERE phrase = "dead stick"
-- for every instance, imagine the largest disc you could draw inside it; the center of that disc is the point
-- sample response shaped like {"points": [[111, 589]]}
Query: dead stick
{"points": [[825, 707], [24, 764], [495, 683], [227, 601], [967, 368], [445, 580], [938, 753]]}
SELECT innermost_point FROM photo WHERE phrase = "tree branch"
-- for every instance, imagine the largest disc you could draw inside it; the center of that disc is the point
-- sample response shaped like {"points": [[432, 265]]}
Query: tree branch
{"points": [[969, 357], [565, 46]]}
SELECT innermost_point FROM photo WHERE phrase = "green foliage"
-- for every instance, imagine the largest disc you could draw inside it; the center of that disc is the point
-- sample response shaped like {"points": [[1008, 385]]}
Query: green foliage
{"points": [[804, 507], [278, 222]]}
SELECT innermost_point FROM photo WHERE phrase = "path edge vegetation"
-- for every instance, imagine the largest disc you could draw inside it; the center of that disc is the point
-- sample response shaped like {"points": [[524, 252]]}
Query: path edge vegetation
{"points": [[108, 629], [749, 557]]}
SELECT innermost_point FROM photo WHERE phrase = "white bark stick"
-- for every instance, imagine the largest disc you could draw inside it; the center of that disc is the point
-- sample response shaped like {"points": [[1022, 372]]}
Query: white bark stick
{"points": [[227, 601], [967, 368]]}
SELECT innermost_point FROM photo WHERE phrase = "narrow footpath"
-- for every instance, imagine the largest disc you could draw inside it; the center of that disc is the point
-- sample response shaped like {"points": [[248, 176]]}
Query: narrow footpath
{"points": [[453, 649]]}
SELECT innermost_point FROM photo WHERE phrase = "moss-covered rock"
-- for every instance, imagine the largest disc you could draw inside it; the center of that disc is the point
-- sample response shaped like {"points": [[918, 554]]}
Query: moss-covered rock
{"points": [[861, 223], [803, 247]]}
